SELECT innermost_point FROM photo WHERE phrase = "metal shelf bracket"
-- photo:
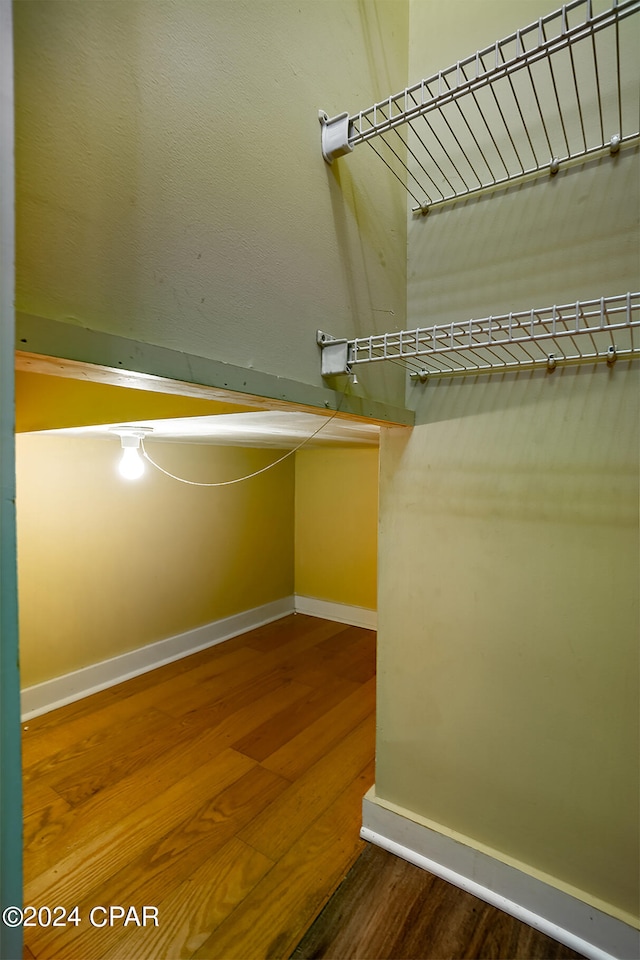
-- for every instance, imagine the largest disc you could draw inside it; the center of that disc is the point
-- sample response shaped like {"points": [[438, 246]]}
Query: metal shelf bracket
{"points": [[335, 136], [335, 355]]}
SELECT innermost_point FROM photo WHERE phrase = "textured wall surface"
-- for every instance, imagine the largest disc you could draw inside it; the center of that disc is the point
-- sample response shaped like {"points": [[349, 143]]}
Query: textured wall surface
{"points": [[171, 187], [508, 624], [508, 549]]}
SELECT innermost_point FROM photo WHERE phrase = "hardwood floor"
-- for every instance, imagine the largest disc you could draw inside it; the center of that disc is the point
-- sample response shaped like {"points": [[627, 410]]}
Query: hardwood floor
{"points": [[224, 790], [387, 909]]}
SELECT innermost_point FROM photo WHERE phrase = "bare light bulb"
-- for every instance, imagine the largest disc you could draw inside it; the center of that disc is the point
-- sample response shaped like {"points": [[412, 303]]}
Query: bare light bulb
{"points": [[131, 466]]}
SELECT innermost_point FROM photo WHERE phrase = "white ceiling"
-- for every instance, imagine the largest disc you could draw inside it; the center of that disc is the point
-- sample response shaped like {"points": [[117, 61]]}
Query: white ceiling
{"points": [[268, 428]]}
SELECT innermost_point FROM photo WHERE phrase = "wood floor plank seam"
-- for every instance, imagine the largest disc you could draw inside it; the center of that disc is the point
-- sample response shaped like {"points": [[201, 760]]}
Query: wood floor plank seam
{"points": [[199, 905], [90, 867], [292, 894], [280, 729], [278, 827], [178, 810], [176, 860]]}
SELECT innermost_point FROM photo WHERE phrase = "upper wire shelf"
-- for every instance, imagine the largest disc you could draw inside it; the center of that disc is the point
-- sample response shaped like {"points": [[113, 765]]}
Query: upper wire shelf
{"points": [[561, 89], [579, 332]]}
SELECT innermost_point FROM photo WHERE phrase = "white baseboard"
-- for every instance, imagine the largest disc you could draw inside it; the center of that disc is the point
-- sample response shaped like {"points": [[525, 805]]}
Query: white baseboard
{"points": [[571, 921], [340, 612], [43, 697]]}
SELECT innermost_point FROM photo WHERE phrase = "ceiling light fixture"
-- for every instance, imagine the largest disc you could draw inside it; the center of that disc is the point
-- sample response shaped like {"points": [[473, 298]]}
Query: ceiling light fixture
{"points": [[131, 466]]}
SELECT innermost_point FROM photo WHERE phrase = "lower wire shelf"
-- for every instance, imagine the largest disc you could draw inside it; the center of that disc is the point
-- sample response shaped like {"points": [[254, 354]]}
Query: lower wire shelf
{"points": [[585, 331]]}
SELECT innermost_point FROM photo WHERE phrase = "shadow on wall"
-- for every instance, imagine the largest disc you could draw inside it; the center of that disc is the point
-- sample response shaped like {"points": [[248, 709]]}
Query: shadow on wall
{"points": [[530, 245], [457, 398], [533, 446]]}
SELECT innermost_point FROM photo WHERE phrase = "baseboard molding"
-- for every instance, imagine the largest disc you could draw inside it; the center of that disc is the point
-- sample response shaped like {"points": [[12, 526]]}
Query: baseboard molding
{"points": [[571, 921], [340, 612], [43, 697]]}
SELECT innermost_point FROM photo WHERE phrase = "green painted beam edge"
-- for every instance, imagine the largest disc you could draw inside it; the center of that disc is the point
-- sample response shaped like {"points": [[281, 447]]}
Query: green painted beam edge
{"points": [[65, 341], [10, 747]]}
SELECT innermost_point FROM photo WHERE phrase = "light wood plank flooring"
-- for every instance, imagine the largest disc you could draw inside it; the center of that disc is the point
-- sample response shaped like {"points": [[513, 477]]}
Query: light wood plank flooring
{"points": [[224, 789]]}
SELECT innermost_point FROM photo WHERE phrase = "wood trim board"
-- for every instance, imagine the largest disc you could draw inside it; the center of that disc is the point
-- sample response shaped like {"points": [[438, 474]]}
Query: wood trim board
{"points": [[46, 696], [51, 694]]}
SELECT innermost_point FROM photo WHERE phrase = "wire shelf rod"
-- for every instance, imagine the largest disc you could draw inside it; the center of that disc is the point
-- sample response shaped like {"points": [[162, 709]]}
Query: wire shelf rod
{"points": [[390, 168], [544, 49], [444, 150], [490, 132], [453, 344], [577, 93], [557, 98], [598, 90], [469, 128], [549, 361], [530, 171], [422, 167]]}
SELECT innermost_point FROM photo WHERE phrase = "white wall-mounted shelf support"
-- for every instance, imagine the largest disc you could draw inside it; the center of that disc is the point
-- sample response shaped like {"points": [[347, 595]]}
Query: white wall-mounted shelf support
{"points": [[556, 91], [335, 136], [335, 355], [582, 332]]}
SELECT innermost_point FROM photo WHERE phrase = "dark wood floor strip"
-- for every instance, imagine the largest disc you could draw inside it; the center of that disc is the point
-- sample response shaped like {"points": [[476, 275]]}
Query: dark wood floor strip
{"points": [[388, 909]]}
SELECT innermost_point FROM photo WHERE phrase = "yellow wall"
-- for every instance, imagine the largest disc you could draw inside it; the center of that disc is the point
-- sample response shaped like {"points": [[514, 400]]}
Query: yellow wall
{"points": [[170, 182], [107, 565], [336, 521], [50, 402], [96, 552], [508, 581]]}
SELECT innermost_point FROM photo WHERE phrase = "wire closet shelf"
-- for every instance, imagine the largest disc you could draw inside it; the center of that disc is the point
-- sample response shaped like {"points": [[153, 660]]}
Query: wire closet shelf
{"points": [[582, 332], [559, 90]]}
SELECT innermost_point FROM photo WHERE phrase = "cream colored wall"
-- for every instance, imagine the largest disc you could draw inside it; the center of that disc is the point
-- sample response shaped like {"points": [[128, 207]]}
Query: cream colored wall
{"points": [[508, 617], [336, 520], [170, 183], [106, 565], [508, 572]]}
